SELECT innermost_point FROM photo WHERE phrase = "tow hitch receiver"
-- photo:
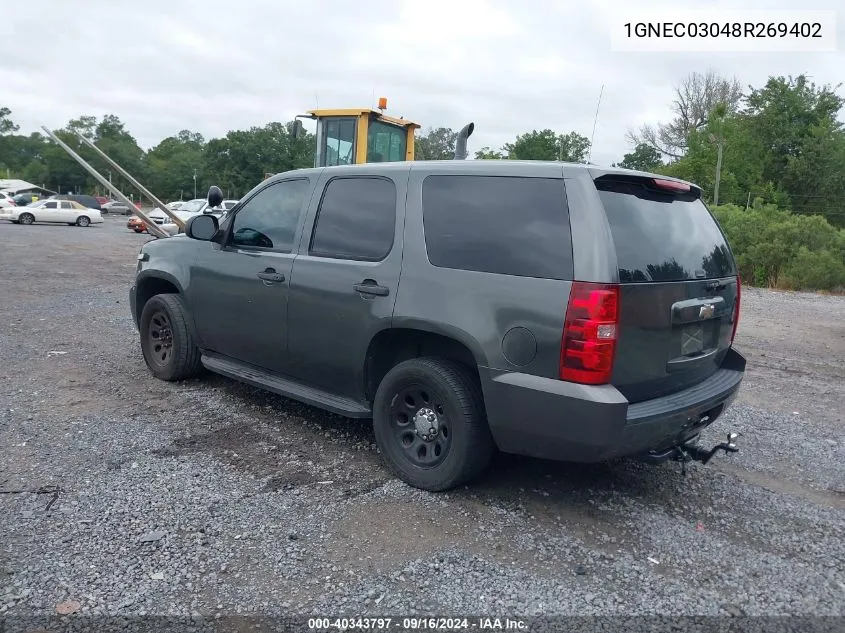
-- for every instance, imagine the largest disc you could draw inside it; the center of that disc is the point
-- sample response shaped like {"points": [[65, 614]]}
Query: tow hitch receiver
{"points": [[692, 452], [687, 453]]}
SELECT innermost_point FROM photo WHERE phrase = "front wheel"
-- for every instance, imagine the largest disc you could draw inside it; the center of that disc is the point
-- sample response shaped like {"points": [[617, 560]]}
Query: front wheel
{"points": [[430, 425], [83, 220], [26, 218], [166, 340]]}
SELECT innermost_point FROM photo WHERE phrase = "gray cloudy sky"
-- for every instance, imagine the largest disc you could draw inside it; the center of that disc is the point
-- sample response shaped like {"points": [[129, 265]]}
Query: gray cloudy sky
{"points": [[213, 65]]}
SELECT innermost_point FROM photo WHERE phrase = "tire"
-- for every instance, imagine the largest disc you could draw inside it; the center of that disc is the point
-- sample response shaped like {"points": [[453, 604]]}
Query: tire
{"points": [[448, 391], [83, 220], [164, 319], [26, 218]]}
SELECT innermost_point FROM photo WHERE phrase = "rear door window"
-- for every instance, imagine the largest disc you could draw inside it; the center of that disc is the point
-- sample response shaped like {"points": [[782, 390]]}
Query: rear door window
{"points": [[498, 224], [662, 236], [356, 219]]}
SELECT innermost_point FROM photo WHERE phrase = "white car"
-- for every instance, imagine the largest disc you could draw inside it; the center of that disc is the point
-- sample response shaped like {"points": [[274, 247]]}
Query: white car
{"points": [[6, 201], [54, 211], [189, 209]]}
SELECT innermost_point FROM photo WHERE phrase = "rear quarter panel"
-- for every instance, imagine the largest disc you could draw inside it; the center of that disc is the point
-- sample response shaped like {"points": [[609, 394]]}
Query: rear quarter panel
{"points": [[479, 309]]}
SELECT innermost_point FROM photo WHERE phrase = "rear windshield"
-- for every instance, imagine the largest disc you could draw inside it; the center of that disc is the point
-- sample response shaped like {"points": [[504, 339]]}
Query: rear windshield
{"points": [[662, 236]]}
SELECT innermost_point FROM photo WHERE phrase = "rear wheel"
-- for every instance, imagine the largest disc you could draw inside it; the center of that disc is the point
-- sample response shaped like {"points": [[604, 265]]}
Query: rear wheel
{"points": [[26, 218], [430, 426], [166, 340], [83, 220]]}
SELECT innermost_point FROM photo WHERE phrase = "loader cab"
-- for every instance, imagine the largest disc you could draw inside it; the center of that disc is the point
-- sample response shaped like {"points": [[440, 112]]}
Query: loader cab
{"points": [[361, 135]]}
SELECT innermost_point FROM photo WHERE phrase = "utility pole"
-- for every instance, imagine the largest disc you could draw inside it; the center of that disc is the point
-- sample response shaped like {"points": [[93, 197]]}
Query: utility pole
{"points": [[718, 171], [195, 183], [748, 202], [717, 120]]}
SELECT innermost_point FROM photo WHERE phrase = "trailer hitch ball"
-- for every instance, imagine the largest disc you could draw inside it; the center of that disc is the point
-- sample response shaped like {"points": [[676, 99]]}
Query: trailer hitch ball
{"points": [[690, 452]]}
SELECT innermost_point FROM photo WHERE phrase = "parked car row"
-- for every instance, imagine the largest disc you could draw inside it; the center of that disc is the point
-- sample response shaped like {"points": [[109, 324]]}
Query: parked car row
{"points": [[100, 203], [52, 211], [184, 211]]}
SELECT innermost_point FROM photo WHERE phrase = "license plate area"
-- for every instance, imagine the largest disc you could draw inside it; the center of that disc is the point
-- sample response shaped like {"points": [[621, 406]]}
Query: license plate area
{"points": [[695, 339]]}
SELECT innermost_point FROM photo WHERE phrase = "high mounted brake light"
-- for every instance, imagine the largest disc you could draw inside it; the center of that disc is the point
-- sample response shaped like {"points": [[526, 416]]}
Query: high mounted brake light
{"points": [[670, 185], [588, 345]]}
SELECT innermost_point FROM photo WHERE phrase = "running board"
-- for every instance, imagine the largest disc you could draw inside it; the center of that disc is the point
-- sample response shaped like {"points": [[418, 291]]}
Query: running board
{"points": [[286, 387]]}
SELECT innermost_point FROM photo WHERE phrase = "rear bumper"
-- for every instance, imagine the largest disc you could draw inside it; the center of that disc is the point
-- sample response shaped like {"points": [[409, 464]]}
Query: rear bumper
{"points": [[553, 419]]}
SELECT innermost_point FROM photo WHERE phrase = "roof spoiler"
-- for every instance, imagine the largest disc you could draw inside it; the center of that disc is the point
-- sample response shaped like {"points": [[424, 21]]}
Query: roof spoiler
{"points": [[461, 142]]}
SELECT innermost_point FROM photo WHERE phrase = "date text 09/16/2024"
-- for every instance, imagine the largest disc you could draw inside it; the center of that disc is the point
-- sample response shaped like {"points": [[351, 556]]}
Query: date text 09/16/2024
{"points": [[416, 624]]}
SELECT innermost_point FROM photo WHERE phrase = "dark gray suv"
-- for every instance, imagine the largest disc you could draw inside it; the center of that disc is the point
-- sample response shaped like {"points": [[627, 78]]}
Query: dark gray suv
{"points": [[554, 310]]}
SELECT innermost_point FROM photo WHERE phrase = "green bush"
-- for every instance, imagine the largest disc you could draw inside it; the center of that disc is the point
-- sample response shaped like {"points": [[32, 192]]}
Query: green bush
{"points": [[776, 248], [814, 270]]}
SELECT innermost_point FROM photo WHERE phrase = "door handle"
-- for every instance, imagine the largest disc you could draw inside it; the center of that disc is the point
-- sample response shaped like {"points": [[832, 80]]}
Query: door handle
{"points": [[370, 287], [270, 274]]}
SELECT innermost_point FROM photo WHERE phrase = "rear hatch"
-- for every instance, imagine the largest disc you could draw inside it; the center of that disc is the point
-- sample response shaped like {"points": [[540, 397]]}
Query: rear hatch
{"points": [[678, 285]]}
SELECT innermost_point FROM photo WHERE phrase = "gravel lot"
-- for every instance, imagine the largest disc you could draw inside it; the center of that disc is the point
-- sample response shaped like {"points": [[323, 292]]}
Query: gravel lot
{"points": [[133, 496]]}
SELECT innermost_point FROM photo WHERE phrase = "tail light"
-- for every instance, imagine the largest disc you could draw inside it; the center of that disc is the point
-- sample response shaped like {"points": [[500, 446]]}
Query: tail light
{"points": [[736, 306], [590, 329]]}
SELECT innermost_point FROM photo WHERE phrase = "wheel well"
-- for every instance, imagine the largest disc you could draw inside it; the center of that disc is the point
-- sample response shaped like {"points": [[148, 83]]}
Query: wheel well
{"points": [[148, 288], [390, 347]]}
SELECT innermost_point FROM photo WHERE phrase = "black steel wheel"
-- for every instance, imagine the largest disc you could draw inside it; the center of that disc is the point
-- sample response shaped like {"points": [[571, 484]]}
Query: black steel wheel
{"points": [[429, 421], [26, 218], [160, 338], [83, 220], [420, 425], [166, 339]]}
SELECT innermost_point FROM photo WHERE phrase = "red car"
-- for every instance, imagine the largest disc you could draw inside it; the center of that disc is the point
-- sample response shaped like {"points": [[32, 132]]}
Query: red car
{"points": [[136, 224], [101, 199]]}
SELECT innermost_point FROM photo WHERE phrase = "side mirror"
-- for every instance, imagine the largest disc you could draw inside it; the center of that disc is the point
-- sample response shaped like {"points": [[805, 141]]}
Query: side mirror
{"points": [[215, 196], [201, 227]]}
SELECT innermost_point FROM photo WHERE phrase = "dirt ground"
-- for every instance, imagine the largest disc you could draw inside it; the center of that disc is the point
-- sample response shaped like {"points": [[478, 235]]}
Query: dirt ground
{"points": [[270, 506]]}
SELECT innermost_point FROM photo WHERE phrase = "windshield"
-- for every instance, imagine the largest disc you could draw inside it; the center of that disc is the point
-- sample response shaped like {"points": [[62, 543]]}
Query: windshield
{"points": [[192, 206]]}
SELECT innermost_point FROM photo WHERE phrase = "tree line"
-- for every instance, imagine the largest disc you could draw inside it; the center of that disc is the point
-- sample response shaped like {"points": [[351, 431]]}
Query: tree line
{"points": [[758, 153]]}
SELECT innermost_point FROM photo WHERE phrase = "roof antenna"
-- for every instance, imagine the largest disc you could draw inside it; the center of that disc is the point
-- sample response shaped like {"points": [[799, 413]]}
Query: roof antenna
{"points": [[595, 121]]}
